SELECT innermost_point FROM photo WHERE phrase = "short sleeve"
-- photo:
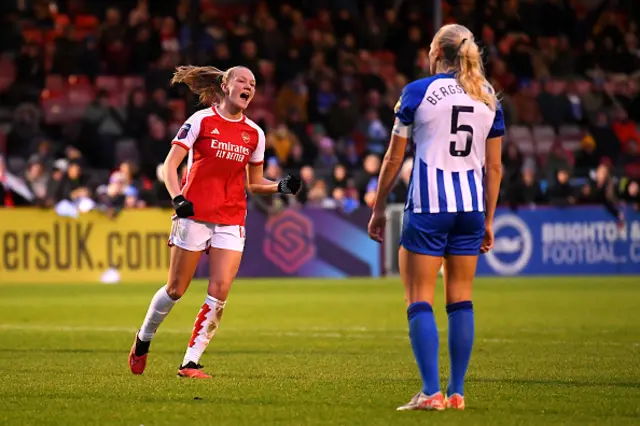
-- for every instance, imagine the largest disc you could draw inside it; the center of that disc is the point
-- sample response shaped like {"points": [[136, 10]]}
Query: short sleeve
{"points": [[257, 157], [189, 132], [497, 128], [410, 99]]}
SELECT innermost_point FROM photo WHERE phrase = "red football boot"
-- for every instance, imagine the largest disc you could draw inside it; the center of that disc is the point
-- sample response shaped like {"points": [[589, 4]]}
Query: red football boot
{"points": [[138, 355]]}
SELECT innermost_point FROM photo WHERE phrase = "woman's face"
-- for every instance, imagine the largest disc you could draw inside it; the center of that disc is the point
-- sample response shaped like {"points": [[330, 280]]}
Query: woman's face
{"points": [[602, 173], [240, 88], [340, 173]]}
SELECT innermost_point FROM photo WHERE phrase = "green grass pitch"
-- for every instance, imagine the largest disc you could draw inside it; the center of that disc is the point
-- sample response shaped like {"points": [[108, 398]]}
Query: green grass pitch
{"points": [[317, 352]]}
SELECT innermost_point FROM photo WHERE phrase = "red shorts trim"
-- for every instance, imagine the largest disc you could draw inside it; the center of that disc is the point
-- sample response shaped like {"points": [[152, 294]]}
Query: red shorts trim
{"points": [[180, 144]]}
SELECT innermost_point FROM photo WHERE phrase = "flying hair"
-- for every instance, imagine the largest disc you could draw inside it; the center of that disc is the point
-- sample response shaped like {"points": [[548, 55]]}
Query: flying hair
{"points": [[206, 82], [461, 54]]}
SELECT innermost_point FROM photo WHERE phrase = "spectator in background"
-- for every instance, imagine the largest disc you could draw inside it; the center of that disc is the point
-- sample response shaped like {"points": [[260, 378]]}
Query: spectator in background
{"points": [[630, 160], [561, 193], [30, 67], [512, 161], [24, 132], [595, 100], [554, 105], [293, 94], [624, 129], [376, 133], [339, 177], [526, 103], [401, 190], [67, 57], [308, 178], [586, 157], [563, 65], [602, 191], [281, 140], [137, 113], [327, 157], [557, 160], [159, 105], [76, 185], [155, 146], [296, 160], [607, 142], [526, 191], [631, 195], [158, 196], [103, 125], [369, 175], [342, 118], [323, 101], [37, 179]]}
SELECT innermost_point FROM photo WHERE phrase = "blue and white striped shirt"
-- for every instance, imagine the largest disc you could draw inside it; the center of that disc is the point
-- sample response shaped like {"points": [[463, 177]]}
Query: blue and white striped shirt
{"points": [[449, 130]]}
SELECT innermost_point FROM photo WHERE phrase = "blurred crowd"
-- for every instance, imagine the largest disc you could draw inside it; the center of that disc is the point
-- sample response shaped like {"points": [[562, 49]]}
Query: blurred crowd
{"points": [[87, 113]]}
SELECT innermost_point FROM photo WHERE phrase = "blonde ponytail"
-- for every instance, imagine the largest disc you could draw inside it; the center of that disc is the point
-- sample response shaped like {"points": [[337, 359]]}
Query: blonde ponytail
{"points": [[462, 54], [206, 82]]}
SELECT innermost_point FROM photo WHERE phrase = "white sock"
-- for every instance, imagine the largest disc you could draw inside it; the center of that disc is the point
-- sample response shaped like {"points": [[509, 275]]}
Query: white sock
{"points": [[204, 328], [159, 308]]}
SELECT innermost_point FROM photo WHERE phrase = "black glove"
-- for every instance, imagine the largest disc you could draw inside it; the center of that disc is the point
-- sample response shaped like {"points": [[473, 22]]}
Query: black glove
{"points": [[289, 185], [183, 207]]}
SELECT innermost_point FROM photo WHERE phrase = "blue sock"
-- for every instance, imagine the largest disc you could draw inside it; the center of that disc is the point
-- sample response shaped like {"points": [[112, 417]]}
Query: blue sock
{"points": [[461, 331], [423, 333]]}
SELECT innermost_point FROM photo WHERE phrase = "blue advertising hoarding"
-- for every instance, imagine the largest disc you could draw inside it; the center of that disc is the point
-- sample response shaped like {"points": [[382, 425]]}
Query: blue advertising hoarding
{"points": [[571, 241], [308, 242]]}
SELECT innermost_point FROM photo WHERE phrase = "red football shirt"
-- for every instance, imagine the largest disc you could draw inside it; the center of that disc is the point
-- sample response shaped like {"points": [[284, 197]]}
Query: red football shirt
{"points": [[219, 151]]}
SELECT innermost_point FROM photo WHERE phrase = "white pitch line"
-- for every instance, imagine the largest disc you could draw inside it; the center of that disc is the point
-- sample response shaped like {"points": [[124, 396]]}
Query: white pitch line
{"points": [[329, 333]]}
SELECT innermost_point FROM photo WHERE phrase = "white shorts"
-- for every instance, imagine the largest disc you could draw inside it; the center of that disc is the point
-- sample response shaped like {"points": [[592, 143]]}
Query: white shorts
{"points": [[191, 235]]}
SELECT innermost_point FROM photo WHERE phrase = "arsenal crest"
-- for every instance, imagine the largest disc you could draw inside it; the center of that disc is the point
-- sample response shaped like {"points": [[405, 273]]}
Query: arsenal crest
{"points": [[245, 137]]}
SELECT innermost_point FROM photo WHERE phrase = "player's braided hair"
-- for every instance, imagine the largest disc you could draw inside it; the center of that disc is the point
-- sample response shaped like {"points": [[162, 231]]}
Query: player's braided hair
{"points": [[462, 54], [206, 82]]}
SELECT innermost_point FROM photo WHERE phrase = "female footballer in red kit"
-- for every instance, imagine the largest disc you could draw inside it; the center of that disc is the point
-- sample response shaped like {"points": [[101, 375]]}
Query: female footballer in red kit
{"points": [[224, 150]]}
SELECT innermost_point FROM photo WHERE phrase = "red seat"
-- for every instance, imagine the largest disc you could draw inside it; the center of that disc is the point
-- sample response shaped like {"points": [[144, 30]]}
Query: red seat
{"points": [[108, 83], [56, 110], [86, 22], [55, 82], [7, 73], [132, 82]]}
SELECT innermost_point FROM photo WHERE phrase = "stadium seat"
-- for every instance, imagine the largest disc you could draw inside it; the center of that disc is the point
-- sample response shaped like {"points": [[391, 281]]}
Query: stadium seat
{"points": [[56, 109], [544, 146], [570, 131], [131, 82], [7, 72], [543, 133], [55, 82], [108, 83], [34, 35], [385, 56], [521, 136], [571, 144], [86, 22]]}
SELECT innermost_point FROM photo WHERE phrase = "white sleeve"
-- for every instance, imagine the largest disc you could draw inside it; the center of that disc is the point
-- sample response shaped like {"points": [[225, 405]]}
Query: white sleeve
{"points": [[189, 132], [401, 129], [257, 157]]}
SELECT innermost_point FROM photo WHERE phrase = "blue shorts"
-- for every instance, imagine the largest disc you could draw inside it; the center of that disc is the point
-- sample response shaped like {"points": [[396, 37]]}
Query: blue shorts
{"points": [[437, 234]]}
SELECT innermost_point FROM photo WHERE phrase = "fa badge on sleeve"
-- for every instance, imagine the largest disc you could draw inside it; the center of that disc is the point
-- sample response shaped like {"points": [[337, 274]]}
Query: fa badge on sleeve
{"points": [[184, 131]]}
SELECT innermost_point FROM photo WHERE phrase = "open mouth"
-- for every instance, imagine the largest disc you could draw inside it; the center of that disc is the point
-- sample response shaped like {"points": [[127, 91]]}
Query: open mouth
{"points": [[244, 96]]}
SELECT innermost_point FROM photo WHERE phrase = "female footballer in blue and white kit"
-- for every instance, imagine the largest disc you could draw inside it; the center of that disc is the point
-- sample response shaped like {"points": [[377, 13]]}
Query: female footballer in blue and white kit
{"points": [[456, 124]]}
